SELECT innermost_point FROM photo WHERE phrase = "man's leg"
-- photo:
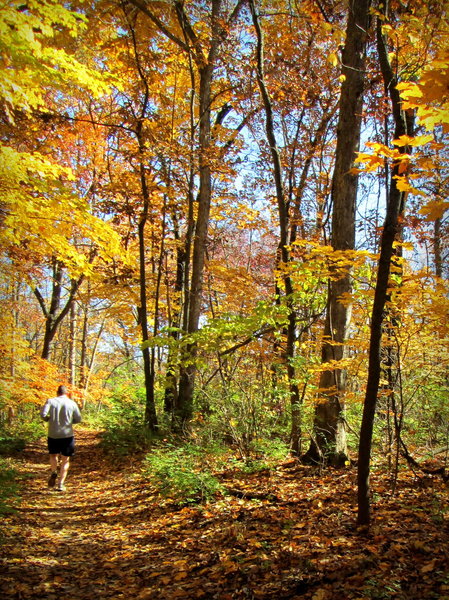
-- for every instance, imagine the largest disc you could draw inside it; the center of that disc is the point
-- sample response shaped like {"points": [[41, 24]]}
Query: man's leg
{"points": [[54, 469], [65, 462], [54, 462]]}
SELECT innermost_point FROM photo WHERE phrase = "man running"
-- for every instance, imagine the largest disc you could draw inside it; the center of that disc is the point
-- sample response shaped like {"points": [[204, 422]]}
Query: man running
{"points": [[61, 413]]}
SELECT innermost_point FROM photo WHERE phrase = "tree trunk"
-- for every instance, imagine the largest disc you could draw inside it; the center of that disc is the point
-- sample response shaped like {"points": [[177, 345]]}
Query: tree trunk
{"points": [[205, 64], [54, 315], [83, 373], [150, 417], [438, 257], [329, 443], [395, 204], [72, 344], [184, 408], [179, 315]]}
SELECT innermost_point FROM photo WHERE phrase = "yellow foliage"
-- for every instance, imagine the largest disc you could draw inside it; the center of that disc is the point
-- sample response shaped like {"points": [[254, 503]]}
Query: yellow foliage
{"points": [[403, 185], [30, 60], [434, 209], [429, 94]]}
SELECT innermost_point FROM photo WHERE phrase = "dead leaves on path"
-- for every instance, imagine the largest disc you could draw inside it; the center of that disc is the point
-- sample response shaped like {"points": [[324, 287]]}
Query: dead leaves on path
{"points": [[113, 537]]}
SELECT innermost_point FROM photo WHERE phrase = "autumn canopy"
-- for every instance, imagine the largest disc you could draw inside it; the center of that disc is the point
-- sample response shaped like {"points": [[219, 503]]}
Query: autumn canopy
{"points": [[228, 221]]}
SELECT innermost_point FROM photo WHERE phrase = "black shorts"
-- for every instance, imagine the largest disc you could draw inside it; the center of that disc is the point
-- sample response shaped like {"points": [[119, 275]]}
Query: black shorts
{"points": [[64, 446]]}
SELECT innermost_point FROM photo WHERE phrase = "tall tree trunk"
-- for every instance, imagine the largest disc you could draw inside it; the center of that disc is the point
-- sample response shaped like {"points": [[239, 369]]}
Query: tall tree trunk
{"points": [[83, 371], [184, 408], [329, 443], [92, 361], [180, 319], [395, 204], [438, 257], [150, 417], [183, 245], [205, 64], [72, 344], [15, 297]]}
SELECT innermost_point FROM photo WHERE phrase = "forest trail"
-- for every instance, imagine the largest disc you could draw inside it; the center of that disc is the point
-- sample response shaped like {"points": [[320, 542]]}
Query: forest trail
{"points": [[75, 544], [111, 536]]}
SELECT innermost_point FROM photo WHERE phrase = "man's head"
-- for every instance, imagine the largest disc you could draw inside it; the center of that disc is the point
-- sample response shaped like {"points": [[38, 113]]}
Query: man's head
{"points": [[62, 390]]}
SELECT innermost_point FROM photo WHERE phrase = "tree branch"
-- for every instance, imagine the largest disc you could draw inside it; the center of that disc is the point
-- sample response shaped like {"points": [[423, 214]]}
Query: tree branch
{"points": [[411, 461], [141, 5], [41, 301], [248, 340]]}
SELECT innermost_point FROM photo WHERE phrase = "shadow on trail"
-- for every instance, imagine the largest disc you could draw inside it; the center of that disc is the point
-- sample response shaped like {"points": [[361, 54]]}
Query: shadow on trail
{"points": [[110, 537], [68, 545]]}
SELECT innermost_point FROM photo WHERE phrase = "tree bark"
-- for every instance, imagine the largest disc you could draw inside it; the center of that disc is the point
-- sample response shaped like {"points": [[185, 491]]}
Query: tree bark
{"points": [[329, 443], [395, 205], [72, 344], [83, 370], [184, 407], [150, 417], [206, 65], [438, 255]]}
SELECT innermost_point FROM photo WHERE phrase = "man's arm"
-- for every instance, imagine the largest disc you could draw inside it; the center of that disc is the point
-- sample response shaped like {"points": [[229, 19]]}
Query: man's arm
{"points": [[45, 412]]}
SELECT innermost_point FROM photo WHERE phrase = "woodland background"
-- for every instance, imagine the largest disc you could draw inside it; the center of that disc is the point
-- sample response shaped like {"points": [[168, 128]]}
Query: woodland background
{"points": [[175, 246]]}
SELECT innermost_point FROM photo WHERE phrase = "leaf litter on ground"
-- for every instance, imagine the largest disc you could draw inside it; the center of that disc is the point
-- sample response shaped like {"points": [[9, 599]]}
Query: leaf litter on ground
{"points": [[284, 533]]}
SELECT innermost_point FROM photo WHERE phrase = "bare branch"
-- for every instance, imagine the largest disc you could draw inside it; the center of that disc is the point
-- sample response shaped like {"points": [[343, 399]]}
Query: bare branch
{"points": [[141, 5]]}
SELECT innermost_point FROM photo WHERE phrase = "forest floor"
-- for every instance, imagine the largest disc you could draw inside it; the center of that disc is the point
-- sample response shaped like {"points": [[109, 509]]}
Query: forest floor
{"points": [[293, 535]]}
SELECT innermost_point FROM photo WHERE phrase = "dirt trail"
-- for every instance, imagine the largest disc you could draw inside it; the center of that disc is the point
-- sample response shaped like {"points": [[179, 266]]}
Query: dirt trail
{"points": [[74, 544], [112, 537]]}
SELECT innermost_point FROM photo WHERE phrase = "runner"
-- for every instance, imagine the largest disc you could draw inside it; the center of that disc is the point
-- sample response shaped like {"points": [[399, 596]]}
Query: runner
{"points": [[61, 413]]}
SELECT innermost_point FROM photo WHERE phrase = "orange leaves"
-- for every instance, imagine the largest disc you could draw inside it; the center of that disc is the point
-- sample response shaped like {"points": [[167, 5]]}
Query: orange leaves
{"points": [[123, 541], [429, 567], [380, 153], [417, 166]]}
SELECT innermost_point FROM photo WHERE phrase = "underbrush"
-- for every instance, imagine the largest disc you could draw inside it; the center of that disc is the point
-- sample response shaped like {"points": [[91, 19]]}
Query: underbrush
{"points": [[23, 428], [9, 488], [124, 440], [190, 472], [14, 436], [181, 473], [124, 431]]}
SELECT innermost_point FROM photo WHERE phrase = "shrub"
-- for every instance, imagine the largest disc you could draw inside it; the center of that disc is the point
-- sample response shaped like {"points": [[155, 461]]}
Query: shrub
{"points": [[126, 439], [180, 474], [125, 432], [24, 428]]}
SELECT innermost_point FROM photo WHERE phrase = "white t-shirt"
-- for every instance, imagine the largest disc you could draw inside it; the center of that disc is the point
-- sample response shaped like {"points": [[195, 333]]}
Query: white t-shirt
{"points": [[60, 412]]}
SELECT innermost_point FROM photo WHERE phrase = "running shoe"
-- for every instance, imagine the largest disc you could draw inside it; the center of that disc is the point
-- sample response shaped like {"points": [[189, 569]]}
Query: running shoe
{"points": [[52, 479]]}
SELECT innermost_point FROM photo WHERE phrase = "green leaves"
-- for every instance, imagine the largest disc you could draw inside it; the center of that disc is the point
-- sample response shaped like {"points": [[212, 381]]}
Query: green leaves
{"points": [[8, 488], [180, 475]]}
